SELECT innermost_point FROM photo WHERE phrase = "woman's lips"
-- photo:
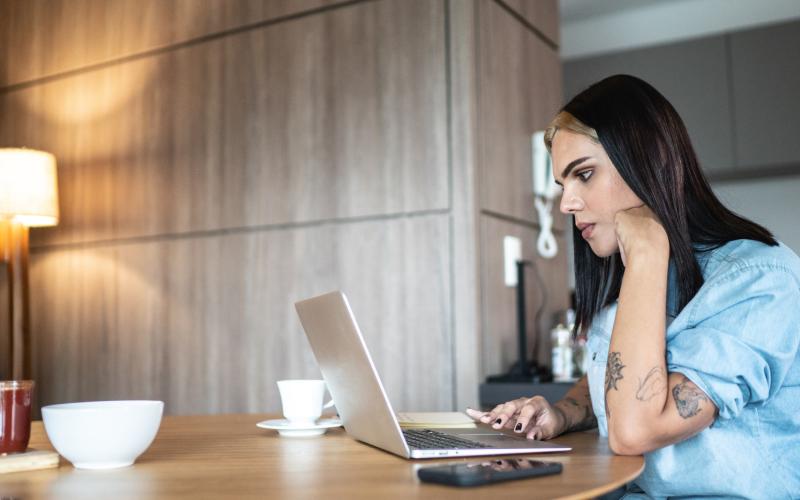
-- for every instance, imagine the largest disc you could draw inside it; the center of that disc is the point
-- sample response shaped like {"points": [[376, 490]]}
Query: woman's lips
{"points": [[586, 232]]}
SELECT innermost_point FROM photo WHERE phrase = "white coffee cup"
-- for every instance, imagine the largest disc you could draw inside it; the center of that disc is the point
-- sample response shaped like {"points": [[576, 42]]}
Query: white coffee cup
{"points": [[302, 400]]}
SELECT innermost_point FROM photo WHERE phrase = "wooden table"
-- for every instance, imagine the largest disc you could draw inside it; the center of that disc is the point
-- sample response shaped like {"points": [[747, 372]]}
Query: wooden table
{"points": [[227, 456]]}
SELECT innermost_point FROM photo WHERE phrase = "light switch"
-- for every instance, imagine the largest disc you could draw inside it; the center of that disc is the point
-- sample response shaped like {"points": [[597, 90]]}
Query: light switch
{"points": [[512, 252]]}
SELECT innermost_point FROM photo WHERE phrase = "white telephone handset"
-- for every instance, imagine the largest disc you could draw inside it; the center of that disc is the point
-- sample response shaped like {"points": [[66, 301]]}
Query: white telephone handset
{"points": [[545, 190]]}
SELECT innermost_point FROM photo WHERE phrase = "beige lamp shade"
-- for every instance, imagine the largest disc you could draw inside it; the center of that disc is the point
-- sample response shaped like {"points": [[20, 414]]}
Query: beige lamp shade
{"points": [[28, 187]]}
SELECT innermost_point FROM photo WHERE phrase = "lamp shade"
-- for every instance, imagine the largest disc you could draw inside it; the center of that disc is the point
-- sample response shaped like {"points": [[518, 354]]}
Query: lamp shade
{"points": [[28, 187]]}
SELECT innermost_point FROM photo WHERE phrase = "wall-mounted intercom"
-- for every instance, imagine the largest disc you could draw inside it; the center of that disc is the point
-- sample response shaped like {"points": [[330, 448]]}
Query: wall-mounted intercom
{"points": [[545, 190]]}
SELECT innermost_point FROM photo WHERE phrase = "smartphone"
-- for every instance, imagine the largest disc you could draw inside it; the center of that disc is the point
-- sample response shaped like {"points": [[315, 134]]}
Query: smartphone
{"points": [[487, 471]]}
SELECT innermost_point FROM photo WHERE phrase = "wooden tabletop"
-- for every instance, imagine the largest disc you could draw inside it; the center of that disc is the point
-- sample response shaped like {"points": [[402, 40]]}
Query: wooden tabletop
{"points": [[227, 456]]}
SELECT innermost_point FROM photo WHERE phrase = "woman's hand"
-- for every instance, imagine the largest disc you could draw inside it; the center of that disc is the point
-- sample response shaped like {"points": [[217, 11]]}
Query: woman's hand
{"points": [[640, 234], [535, 417]]}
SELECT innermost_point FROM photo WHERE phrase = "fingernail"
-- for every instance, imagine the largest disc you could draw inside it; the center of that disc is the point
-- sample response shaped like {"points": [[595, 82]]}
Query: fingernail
{"points": [[518, 427], [498, 421]]}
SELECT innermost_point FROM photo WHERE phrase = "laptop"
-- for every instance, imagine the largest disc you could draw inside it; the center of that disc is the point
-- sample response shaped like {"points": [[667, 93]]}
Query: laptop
{"points": [[361, 401]]}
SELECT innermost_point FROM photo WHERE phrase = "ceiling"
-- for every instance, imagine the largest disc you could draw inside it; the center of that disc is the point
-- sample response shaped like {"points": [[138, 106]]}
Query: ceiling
{"points": [[592, 27]]}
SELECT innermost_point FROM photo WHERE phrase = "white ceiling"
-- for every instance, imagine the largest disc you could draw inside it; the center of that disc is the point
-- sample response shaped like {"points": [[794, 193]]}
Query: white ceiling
{"points": [[591, 27]]}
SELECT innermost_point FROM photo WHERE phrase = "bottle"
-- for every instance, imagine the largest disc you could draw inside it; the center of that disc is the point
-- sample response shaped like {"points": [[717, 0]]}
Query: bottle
{"points": [[561, 341], [580, 357]]}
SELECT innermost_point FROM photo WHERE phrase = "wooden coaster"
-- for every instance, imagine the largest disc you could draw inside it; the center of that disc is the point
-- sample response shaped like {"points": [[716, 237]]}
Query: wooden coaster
{"points": [[28, 460]]}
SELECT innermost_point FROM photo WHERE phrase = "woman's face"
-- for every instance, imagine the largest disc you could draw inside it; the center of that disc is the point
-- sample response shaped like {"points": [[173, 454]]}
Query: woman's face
{"points": [[593, 189]]}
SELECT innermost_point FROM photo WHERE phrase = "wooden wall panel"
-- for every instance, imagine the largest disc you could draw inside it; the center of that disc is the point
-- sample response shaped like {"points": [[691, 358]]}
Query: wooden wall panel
{"points": [[465, 211], [520, 92], [294, 122], [499, 301], [542, 14], [208, 324], [45, 37], [206, 186]]}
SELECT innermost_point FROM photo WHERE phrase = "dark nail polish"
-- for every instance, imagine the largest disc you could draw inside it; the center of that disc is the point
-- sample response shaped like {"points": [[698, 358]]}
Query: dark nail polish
{"points": [[498, 421], [518, 427]]}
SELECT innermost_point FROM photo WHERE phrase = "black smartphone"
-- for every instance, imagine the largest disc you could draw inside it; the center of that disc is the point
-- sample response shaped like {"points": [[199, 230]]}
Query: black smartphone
{"points": [[487, 471]]}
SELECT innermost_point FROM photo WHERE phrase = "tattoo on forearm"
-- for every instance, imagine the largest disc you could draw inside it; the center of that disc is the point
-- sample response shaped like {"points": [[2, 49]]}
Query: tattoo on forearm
{"points": [[586, 421], [589, 421], [614, 368], [654, 383], [687, 398]]}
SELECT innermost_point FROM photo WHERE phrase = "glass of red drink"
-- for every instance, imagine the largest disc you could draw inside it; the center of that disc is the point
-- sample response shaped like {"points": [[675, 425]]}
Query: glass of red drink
{"points": [[15, 415]]}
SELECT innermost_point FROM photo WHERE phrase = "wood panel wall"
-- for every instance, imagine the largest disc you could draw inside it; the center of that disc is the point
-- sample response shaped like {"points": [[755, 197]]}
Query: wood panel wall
{"points": [[222, 159], [520, 92]]}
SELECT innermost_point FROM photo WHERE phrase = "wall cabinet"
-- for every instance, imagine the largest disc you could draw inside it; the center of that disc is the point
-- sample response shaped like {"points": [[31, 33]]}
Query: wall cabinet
{"points": [[691, 75], [737, 94], [766, 96]]}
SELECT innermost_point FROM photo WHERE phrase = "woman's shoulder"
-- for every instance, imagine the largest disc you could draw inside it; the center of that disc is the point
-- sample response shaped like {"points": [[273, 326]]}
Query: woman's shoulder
{"points": [[740, 256], [762, 278]]}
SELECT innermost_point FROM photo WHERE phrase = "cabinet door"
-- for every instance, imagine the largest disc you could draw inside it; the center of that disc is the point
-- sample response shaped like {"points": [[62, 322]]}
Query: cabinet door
{"points": [[692, 76], [766, 95]]}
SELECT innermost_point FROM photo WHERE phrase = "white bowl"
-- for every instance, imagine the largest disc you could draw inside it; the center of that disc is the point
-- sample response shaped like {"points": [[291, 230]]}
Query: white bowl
{"points": [[102, 434]]}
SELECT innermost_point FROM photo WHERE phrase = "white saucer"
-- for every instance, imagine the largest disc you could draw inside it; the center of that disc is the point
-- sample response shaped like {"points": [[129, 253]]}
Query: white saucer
{"points": [[287, 429]]}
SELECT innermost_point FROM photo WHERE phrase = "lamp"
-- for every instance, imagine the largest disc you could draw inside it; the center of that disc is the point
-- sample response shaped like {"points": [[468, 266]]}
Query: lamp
{"points": [[28, 198]]}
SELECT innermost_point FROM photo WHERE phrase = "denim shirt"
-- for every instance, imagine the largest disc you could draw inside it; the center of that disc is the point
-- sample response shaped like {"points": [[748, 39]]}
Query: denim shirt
{"points": [[737, 340]]}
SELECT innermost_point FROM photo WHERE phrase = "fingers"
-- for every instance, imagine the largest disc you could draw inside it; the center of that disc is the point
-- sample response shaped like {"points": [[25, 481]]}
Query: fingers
{"points": [[536, 433], [529, 412], [504, 415], [499, 416], [485, 416], [476, 414], [622, 253]]}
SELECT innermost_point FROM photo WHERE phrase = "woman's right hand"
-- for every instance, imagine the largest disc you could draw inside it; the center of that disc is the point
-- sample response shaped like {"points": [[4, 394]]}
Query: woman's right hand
{"points": [[535, 417]]}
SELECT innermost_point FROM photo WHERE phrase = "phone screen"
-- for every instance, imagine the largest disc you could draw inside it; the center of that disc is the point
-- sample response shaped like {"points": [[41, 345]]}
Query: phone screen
{"points": [[488, 471], [498, 465]]}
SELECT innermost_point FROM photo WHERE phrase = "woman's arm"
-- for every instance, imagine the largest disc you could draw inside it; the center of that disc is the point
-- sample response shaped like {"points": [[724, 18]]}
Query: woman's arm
{"points": [[538, 419], [576, 406], [647, 408]]}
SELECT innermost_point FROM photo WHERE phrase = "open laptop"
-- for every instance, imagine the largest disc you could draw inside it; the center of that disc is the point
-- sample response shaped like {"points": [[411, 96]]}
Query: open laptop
{"points": [[361, 401]]}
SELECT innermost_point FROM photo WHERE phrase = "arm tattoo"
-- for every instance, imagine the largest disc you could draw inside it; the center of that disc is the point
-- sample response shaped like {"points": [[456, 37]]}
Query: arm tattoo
{"points": [[614, 368], [687, 398], [653, 384], [588, 420]]}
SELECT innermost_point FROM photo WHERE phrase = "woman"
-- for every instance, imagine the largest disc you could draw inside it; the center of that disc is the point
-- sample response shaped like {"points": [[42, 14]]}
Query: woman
{"points": [[692, 312]]}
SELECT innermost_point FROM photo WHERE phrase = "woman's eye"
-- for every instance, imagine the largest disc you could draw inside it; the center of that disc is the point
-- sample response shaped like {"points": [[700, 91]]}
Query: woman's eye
{"points": [[584, 175]]}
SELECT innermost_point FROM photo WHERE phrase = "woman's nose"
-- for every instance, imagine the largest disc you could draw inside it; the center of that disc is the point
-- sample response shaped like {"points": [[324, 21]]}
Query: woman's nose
{"points": [[570, 203]]}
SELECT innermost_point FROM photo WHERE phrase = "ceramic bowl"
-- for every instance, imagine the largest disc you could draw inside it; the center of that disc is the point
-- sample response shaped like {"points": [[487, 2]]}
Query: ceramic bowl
{"points": [[102, 434]]}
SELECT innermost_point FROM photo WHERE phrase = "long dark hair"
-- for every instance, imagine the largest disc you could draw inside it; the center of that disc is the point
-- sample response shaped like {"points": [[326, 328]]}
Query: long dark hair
{"points": [[647, 142]]}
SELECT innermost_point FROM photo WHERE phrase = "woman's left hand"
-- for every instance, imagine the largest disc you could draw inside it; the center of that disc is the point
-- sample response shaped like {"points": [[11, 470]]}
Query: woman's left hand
{"points": [[640, 235]]}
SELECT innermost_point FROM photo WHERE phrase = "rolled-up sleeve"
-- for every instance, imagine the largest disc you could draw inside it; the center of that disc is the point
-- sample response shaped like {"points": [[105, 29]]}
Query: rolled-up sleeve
{"points": [[741, 337]]}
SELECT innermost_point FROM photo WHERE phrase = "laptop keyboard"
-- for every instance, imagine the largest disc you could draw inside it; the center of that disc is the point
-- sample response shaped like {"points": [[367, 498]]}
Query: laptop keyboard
{"points": [[426, 439]]}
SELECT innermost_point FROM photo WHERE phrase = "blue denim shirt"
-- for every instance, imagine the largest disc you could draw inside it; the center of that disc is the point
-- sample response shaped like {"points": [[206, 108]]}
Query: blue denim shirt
{"points": [[737, 339]]}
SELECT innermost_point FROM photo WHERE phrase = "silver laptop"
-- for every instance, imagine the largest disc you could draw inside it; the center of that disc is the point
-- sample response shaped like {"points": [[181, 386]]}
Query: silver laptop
{"points": [[361, 401]]}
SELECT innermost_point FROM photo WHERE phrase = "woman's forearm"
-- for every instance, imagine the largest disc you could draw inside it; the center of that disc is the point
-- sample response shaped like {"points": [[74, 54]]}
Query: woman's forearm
{"points": [[576, 407], [636, 375]]}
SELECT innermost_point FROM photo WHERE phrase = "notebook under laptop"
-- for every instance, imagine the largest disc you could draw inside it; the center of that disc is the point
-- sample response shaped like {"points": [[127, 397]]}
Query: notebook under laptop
{"points": [[361, 401]]}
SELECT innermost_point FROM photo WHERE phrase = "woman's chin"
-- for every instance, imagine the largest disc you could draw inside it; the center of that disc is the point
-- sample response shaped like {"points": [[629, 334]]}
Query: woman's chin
{"points": [[603, 251]]}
